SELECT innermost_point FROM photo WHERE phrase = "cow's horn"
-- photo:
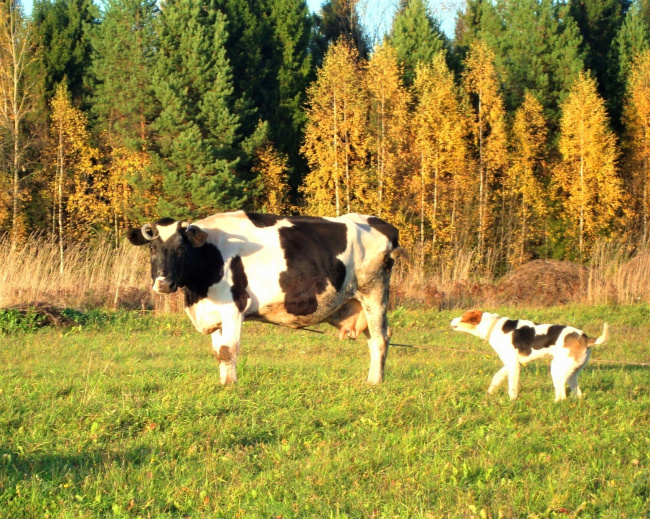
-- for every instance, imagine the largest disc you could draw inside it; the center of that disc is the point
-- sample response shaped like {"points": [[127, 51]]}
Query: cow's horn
{"points": [[149, 232]]}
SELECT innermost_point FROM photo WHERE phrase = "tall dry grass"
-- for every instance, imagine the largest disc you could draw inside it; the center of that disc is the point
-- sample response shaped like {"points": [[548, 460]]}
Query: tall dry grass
{"points": [[101, 274], [94, 274]]}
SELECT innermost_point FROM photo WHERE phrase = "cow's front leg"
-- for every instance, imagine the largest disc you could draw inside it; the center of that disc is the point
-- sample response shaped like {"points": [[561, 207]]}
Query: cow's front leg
{"points": [[225, 343]]}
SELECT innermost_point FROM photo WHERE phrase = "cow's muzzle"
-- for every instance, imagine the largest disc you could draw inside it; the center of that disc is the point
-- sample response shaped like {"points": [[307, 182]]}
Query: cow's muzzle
{"points": [[164, 285]]}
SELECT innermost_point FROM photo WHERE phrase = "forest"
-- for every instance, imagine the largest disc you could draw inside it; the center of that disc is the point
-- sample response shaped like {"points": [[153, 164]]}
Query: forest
{"points": [[525, 135]]}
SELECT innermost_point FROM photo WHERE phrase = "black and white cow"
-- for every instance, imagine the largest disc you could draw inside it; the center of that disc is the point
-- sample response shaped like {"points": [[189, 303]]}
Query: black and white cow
{"points": [[293, 271]]}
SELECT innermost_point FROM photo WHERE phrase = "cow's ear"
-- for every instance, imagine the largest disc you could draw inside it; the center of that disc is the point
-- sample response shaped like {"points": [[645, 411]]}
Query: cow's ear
{"points": [[136, 237], [196, 236]]}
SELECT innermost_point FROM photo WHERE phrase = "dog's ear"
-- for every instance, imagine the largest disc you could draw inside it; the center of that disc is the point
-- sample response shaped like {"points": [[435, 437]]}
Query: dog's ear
{"points": [[472, 317]]}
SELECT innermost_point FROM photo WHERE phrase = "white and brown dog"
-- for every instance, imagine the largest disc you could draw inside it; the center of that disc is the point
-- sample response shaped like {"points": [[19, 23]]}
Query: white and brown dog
{"points": [[519, 342]]}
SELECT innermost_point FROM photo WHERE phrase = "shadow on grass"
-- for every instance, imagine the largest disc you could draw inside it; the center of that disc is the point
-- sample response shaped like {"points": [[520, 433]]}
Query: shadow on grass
{"points": [[16, 467]]}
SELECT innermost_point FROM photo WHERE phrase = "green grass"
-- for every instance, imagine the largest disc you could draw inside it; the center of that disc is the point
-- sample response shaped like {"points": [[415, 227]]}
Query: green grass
{"points": [[124, 417]]}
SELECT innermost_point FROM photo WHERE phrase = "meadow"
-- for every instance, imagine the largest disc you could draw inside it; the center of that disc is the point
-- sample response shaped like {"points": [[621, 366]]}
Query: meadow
{"points": [[122, 415]]}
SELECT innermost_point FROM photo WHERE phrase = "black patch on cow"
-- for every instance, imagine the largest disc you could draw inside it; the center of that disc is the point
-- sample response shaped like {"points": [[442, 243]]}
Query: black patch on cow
{"points": [[264, 220], [386, 229], [525, 339], [204, 269], [509, 325], [310, 248], [239, 283]]}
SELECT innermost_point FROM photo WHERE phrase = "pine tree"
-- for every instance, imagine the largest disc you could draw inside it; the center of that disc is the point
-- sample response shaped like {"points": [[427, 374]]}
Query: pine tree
{"points": [[199, 151], [440, 131], [591, 191], [637, 124], [334, 140], [524, 180], [490, 140], [388, 129], [17, 104], [416, 37]]}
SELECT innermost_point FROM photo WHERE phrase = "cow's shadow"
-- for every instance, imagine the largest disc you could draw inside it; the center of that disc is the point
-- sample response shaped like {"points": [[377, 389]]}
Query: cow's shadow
{"points": [[16, 466]]}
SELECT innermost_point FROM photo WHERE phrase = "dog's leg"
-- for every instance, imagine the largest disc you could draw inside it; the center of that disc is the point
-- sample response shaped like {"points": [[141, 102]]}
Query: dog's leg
{"points": [[559, 375], [513, 369], [573, 384], [498, 378]]}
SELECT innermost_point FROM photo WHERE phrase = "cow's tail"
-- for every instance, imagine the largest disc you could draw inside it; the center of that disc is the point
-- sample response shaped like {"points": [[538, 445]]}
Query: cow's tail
{"points": [[399, 252]]}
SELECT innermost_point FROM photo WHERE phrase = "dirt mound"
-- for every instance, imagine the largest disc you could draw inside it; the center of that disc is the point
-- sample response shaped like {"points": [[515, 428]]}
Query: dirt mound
{"points": [[543, 283]]}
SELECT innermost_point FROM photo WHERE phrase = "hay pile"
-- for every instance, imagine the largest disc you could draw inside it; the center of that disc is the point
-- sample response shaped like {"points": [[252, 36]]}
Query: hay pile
{"points": [[543, 283]]}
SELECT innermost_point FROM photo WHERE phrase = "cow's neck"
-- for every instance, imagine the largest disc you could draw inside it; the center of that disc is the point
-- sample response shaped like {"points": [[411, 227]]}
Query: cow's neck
{"points": [[204, 269]]}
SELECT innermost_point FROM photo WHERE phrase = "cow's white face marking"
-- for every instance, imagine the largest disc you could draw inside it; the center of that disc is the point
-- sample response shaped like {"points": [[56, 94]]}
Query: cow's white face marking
{"points": [[162, 285], [167, 231]]}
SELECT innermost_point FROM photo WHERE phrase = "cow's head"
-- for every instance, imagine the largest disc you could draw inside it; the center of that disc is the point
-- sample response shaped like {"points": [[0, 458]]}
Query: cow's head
{"points": [[170, 243]]}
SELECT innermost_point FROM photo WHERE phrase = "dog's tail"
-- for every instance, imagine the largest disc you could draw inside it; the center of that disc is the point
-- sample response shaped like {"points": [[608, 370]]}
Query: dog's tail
{"points": [[604, 336]]}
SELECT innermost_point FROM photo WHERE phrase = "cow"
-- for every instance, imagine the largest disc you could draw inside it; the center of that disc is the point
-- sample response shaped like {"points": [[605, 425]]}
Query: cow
{"points": [[293, 271]]}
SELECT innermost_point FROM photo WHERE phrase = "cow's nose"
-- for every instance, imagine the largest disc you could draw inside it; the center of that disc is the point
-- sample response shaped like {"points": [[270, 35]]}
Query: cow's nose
{"points": [[164, 285]]}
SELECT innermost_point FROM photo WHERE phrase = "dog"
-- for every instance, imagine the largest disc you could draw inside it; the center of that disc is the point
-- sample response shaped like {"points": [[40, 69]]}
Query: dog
{"points": [[519, 342]]}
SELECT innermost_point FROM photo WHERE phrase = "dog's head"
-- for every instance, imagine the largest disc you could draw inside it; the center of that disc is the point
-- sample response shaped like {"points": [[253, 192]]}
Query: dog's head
{"points": [[475, 322]]}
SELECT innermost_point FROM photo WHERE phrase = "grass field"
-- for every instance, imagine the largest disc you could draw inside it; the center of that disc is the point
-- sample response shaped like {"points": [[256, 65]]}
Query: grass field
{"points": [[124, 417]]}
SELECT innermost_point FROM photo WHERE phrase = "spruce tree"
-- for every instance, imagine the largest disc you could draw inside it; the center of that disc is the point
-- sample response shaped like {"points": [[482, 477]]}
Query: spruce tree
{"points": [[124, 105], [416, 37], [62, 32], [340, 19], [599, 21], [632, 39], [123, 60], [268, 47], [200, 150], [536, 49]]}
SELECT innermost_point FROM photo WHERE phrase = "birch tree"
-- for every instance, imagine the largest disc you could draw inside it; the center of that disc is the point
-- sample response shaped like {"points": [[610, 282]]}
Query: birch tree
{"points": [[17, 101], [489, 131], [637, 123], [334, 135], [590, 189]]}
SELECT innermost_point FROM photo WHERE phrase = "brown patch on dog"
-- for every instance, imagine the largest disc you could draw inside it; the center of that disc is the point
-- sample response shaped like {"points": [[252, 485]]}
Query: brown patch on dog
{"points": [[577, 345], [472, 317]]}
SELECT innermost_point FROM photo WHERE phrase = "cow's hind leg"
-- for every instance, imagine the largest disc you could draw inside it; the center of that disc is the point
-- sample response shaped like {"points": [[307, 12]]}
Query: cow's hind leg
{"points": [[225, 343], [375, 309]]}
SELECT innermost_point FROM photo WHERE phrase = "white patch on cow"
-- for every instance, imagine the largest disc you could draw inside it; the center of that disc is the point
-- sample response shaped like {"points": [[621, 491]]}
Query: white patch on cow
{"points": [[167, 231], [205, 316]]}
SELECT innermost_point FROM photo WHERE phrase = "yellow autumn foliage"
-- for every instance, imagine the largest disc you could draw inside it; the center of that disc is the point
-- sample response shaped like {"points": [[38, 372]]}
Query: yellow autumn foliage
{"points": [[590, 190], [272, 168], [637, 120], [334, 136]]}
